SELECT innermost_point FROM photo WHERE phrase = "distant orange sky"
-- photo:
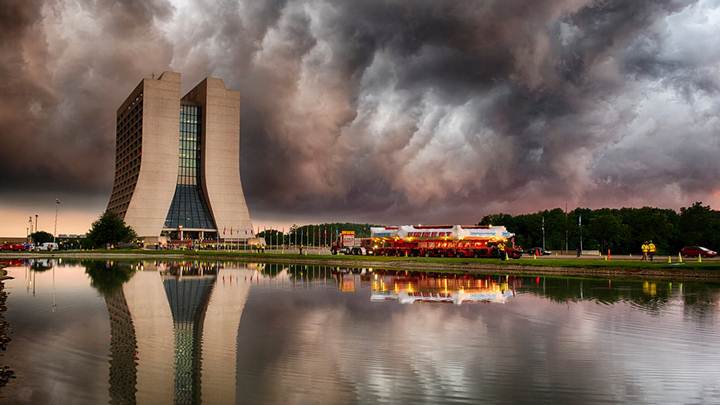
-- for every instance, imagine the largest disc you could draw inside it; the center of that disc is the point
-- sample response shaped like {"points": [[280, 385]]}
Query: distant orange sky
{"points": [[77, 220]]}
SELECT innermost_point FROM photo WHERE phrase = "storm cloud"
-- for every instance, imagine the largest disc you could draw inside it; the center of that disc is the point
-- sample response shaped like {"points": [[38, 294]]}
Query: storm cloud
{"points": [[385, 111]]}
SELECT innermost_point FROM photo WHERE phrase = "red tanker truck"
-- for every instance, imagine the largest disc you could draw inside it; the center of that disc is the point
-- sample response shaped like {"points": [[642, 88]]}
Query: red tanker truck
{"points": [[347, 243], [444, 241]]}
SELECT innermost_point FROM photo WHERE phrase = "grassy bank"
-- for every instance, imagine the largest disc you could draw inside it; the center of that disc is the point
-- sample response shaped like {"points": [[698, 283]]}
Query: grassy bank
{"points": [[541, 262], [546, 265]]}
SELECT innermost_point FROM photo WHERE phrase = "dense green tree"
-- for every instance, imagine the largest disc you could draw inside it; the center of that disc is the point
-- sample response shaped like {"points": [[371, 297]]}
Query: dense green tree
{"points": [[109, 229], [322, 234], [608, 232], [622, 230], [41, 237], [495, 219], [700, 225], [271, 236]]}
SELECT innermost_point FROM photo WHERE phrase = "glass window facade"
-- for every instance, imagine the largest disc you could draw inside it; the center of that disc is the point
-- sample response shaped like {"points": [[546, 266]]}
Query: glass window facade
{"points": [[189, 207]]}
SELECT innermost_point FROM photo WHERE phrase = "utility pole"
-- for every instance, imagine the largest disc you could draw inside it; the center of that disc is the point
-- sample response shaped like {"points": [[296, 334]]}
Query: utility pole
{"points": [[566, 228], [580, 226], [57, 207], [543, 232], [36, 217]]}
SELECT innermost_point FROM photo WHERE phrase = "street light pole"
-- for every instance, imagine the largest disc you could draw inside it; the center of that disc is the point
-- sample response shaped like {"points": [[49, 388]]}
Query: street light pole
{"points": [[566, 228], [580, 226], [57, 207]]}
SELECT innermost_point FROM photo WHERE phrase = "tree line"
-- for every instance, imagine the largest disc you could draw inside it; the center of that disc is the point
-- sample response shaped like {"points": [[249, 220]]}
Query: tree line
{"points": [[622, 230], [313, 234]]}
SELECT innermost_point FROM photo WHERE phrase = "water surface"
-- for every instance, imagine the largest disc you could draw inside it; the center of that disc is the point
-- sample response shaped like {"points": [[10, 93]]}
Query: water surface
{"points": [[224, 332]]}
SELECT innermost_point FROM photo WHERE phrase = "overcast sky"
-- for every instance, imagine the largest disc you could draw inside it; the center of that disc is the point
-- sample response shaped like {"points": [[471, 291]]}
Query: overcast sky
{"points": [[382, 111]]}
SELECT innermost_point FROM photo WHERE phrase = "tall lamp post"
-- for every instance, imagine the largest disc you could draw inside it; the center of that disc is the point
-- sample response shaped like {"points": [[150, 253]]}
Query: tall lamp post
{"points": [[57, 207], [580, 226], [543, 233]]}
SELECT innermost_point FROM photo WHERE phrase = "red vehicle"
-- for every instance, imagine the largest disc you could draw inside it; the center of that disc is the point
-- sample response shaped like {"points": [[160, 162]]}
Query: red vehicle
{"points": [[347, 243], [13, 247], [695, 251], [445, 241]]}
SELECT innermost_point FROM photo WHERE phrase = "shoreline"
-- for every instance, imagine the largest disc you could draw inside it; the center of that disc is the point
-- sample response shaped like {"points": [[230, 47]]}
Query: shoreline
{"points": [[545, 266]]}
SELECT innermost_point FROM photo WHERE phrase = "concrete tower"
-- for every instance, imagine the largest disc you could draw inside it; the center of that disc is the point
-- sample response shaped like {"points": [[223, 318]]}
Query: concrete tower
{"points": [[177, 165]]}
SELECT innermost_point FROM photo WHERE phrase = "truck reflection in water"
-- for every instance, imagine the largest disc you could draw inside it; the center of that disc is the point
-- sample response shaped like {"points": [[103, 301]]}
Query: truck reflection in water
{"points": [[409, 290]]}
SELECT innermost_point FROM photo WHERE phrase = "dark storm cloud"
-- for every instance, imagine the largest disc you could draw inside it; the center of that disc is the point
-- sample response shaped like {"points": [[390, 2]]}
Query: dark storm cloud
{"points": [[64, 69], [388, 110]]}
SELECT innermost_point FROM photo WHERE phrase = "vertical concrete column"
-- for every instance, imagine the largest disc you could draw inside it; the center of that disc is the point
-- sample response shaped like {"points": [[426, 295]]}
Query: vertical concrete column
{"points": [[155, 185]]}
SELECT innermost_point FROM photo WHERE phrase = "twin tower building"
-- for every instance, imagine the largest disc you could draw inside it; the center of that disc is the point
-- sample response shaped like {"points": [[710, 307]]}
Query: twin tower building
{"points": [[177, 163]]}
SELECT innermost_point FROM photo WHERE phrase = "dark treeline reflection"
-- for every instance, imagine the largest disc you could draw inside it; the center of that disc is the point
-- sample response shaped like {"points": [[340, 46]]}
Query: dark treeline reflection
{"points": [[698, 297], [647, 294], [650, 294]]}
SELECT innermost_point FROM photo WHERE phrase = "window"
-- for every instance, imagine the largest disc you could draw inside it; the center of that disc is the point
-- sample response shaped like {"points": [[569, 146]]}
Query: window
{"points": [[188, 207]]}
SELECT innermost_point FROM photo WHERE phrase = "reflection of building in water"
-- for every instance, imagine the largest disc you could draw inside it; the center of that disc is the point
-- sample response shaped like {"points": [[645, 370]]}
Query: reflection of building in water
{"points": [[408, 290], [188, 296], [123, 371], [174, 334], [219, 335]]}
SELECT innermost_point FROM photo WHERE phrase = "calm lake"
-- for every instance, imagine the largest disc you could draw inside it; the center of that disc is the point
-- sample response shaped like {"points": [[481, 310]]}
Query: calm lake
{"points": [[225, 332]]}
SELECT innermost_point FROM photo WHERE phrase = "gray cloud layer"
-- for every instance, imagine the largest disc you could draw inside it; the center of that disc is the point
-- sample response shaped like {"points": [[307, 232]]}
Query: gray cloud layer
{"points": [[386, 110]]}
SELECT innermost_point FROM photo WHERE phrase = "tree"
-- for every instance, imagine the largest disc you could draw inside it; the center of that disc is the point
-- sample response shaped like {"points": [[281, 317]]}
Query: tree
{"points": [[700, 225], [109, 229], [622, 230], [608, 231], [271, 236], [41, 237]]}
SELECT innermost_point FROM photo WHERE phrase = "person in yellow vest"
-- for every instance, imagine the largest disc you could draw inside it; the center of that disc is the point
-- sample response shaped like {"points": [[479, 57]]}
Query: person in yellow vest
{"points": [[501, 250], [645, 249], [651, 250]]}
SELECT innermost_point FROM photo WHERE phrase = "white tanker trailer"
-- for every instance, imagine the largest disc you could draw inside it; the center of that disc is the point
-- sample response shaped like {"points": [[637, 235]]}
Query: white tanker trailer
{"points": [[444, 241]]}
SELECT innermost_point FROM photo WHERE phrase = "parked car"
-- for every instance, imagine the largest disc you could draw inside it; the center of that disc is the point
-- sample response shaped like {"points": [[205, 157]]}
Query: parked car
{"points": [[13, 247], [538, 251], [47, 246], [695, 251]]}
